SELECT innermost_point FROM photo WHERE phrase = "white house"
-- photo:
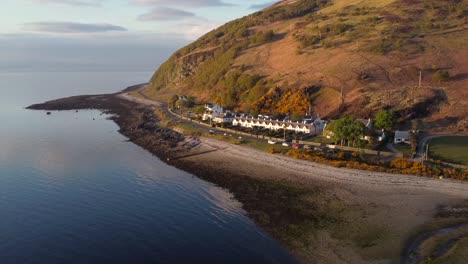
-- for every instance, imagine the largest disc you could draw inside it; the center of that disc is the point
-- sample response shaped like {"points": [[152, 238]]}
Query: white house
{"points": [[402, 137], [300, 127], [223, 118], [214, 108], [213, 111]]}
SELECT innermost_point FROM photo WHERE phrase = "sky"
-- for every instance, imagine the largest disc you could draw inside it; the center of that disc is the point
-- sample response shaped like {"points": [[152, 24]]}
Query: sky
{"points": [[106, 35]]}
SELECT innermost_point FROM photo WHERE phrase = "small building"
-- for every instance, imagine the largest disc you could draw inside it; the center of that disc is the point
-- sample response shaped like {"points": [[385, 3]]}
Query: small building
{"points": [[223, 118], [402, 137], [367, 123], [212, 112], [211, 107], [381, 135]]}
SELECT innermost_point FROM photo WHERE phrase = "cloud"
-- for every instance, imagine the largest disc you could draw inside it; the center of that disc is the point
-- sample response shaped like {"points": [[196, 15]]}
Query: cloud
{"points": [[183, 3], [70, 27], [165, 14], [73, 2], [262, 6]]}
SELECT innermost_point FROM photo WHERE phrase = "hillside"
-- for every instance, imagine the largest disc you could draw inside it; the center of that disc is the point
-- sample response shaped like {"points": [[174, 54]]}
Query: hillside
{"points": [[334, 57]]}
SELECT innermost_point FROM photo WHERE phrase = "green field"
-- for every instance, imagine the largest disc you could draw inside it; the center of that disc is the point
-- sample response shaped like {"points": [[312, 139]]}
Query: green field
{"points": [[450, 149], [404, 148]]}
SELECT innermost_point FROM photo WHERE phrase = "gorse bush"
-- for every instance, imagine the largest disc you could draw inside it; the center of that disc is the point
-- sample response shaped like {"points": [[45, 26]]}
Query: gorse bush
{"points": [[399, 165], [441, 76]]}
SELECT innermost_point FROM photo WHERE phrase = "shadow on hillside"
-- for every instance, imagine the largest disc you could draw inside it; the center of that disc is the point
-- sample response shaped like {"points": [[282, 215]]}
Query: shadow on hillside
{"points": [[460, 77]]}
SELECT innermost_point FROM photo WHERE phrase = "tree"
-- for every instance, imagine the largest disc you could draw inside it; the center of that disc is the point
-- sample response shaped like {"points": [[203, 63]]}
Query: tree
{"points": [[296, 116], [173, 101], [413, 138], [254, 113], [199, 110], [191, 100], [385, 119], [347, 129]]}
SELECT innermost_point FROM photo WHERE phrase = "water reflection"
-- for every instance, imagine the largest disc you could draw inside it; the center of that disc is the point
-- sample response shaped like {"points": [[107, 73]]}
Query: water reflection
{"points": [[73, 190]]}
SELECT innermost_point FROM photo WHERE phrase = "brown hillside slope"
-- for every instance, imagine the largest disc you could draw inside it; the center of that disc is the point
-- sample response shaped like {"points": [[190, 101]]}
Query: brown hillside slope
{"points": [[304, 53]]}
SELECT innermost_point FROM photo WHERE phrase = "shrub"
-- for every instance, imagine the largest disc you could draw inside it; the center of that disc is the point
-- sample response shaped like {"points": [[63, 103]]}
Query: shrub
{"points": [[441, 76], [401, 163], [274, 151], [342, 155]]}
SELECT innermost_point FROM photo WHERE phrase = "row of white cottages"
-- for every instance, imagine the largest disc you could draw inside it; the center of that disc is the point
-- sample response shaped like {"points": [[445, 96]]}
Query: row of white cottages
{"points": [[308, 128]]}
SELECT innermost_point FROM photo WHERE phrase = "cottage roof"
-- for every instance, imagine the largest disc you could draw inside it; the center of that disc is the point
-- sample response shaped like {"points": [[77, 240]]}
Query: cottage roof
{"points": [[402, 134]]}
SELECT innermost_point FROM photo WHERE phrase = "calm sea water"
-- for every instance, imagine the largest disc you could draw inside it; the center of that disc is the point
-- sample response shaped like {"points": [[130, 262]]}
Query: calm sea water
{"points": [[72, 190]]}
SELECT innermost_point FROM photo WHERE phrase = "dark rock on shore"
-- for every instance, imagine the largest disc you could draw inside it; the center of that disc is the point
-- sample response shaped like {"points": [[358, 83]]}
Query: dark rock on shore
{"points": [[139, 123]]}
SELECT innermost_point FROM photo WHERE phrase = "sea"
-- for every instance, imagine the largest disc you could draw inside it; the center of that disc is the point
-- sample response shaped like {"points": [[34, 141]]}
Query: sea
{"points": [[74, 190]]}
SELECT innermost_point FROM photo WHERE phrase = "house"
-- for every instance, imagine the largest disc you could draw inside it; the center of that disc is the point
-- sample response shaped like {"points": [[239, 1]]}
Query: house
{"points": [[211, 107], [382, 135], [402, 137], [213, 111], [367, 123], [249, 122], [319, 124], [223, 118]]}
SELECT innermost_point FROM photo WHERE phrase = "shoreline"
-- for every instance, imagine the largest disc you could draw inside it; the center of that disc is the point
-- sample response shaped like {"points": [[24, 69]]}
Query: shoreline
{"points": [[320, 213]]}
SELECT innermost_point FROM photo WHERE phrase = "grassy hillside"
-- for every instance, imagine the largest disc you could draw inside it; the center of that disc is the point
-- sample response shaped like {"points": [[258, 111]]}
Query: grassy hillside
{"points": [[334, 56]]}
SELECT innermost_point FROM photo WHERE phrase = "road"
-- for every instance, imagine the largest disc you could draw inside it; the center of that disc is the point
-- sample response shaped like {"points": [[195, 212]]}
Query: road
{"points": [[145, 100]]}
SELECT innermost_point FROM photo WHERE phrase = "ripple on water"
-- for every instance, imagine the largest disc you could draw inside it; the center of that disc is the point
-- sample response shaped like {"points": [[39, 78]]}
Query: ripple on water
{"points": [[72, 190]]}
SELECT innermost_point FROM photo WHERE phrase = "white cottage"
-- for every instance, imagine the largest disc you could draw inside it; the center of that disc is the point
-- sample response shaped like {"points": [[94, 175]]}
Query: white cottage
{"points": [[274, 124]]}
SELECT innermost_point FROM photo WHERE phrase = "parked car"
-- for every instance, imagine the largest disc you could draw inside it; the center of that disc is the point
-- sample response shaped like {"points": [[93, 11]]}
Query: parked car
{"points": [[306, 147], [286, 144], [332, 151], [296, 146], [318, 149], [271, 142], [211, 131]]}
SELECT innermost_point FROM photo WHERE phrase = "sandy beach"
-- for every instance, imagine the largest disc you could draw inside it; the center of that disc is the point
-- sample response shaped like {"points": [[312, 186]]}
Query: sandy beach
{"points": [[397, 206]]}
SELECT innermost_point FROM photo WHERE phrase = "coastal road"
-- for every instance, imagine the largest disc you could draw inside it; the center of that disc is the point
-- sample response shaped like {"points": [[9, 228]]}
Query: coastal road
{"points": [[145, 100]]}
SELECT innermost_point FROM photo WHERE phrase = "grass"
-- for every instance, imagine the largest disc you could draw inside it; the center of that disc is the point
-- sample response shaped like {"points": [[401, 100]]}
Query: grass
{"points": [[404, 148], [137, 94], [458, 254], [320, 139], [450, 149]]}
